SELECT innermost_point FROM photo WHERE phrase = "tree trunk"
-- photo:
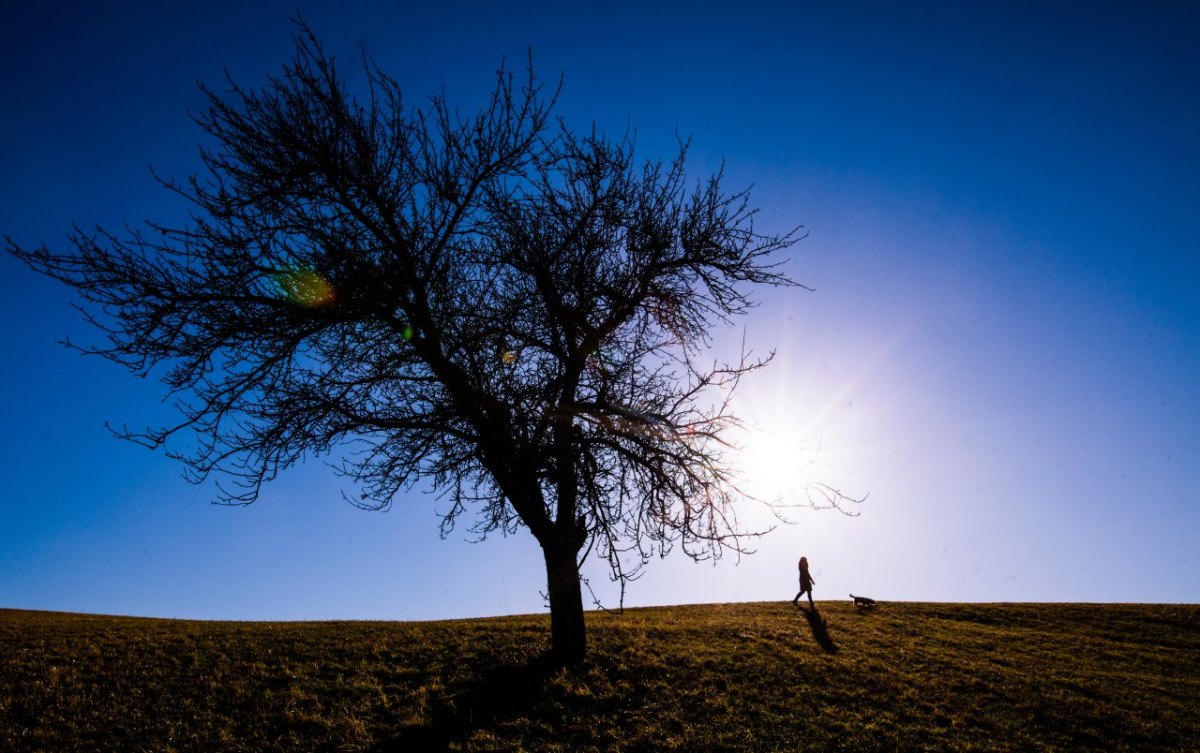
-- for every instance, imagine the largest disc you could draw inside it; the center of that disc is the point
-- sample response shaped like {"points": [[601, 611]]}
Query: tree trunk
{"points": [[568, 634]]}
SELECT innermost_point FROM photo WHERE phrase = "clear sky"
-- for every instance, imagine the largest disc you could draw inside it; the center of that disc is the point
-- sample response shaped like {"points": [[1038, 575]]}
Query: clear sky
{"points": [[1002, 349]]}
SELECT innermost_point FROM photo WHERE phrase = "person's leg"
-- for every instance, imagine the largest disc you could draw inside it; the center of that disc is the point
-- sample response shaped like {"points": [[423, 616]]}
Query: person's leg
{"points": [[810, 601], [796, 601]]}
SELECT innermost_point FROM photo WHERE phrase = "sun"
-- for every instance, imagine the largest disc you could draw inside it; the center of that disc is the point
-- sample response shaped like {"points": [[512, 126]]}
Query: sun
{"points": [[782, 455], [774, 463], [811, 427], [778, 443]]}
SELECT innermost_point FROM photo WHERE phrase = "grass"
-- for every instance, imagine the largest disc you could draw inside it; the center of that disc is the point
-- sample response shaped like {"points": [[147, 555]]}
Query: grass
{"points": [[712, 677]]}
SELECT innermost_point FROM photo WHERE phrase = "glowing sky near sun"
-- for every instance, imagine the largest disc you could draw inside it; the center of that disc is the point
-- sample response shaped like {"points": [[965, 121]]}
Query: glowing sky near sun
{"points": [[1000, 352]]}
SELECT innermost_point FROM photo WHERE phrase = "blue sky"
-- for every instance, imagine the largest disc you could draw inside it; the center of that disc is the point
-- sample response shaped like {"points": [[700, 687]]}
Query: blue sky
{"points": [[1002, 347]]}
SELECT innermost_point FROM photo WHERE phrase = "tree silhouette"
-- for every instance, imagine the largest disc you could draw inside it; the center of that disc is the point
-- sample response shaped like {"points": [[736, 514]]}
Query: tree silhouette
{"points": [[508, 312]]}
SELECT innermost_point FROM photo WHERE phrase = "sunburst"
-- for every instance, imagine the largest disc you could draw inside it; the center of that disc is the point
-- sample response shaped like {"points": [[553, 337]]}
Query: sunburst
{"points": [[800, 436]]}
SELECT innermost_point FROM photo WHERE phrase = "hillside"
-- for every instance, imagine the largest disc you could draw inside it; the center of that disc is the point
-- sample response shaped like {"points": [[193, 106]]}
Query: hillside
{"points": [[711, 677]]}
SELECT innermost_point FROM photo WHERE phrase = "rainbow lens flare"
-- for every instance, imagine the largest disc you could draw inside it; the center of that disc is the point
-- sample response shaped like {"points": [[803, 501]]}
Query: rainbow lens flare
{"points": [[304, 287]]}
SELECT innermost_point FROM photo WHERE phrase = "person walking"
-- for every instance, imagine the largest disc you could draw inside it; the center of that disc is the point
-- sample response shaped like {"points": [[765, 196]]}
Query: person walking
{"points": [[806, 584]]}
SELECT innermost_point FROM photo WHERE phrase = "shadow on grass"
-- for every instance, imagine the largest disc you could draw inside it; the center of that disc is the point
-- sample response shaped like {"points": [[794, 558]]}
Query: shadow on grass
{"points": [[501, 693], [820, 629]]}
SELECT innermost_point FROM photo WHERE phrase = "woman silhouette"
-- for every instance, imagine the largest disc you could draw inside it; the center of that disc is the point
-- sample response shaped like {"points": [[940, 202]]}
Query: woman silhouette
{"points": [[806, 584]]}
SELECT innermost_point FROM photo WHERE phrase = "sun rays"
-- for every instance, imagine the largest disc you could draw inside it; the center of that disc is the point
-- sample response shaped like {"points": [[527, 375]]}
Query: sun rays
{"points": [[805, 430]]}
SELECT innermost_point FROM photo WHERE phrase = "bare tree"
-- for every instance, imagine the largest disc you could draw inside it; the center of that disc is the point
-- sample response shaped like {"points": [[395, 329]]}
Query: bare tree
{"points": [[510, 313]]}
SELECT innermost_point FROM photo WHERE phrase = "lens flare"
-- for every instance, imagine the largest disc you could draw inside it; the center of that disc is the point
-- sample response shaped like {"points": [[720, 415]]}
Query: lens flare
{"points": [[304, 287]]}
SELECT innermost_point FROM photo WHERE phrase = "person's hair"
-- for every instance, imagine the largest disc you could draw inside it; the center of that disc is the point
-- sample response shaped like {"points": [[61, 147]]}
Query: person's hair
{"points": [[804, 564]]}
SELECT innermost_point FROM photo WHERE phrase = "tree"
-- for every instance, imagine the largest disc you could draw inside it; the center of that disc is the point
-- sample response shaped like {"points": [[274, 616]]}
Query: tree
{"points": [[501, 309]]}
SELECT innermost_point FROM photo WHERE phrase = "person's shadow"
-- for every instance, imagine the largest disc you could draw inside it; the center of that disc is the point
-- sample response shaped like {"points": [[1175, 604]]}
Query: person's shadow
{"points": [[820, 629]]}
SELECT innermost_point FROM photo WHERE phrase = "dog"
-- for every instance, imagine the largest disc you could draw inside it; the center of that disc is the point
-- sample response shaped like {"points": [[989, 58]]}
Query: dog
{"points": [[862, 601]]}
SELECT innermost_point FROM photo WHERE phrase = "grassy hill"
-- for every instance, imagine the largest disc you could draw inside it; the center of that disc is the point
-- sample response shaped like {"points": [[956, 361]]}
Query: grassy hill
{"points": [[691, 678]]}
